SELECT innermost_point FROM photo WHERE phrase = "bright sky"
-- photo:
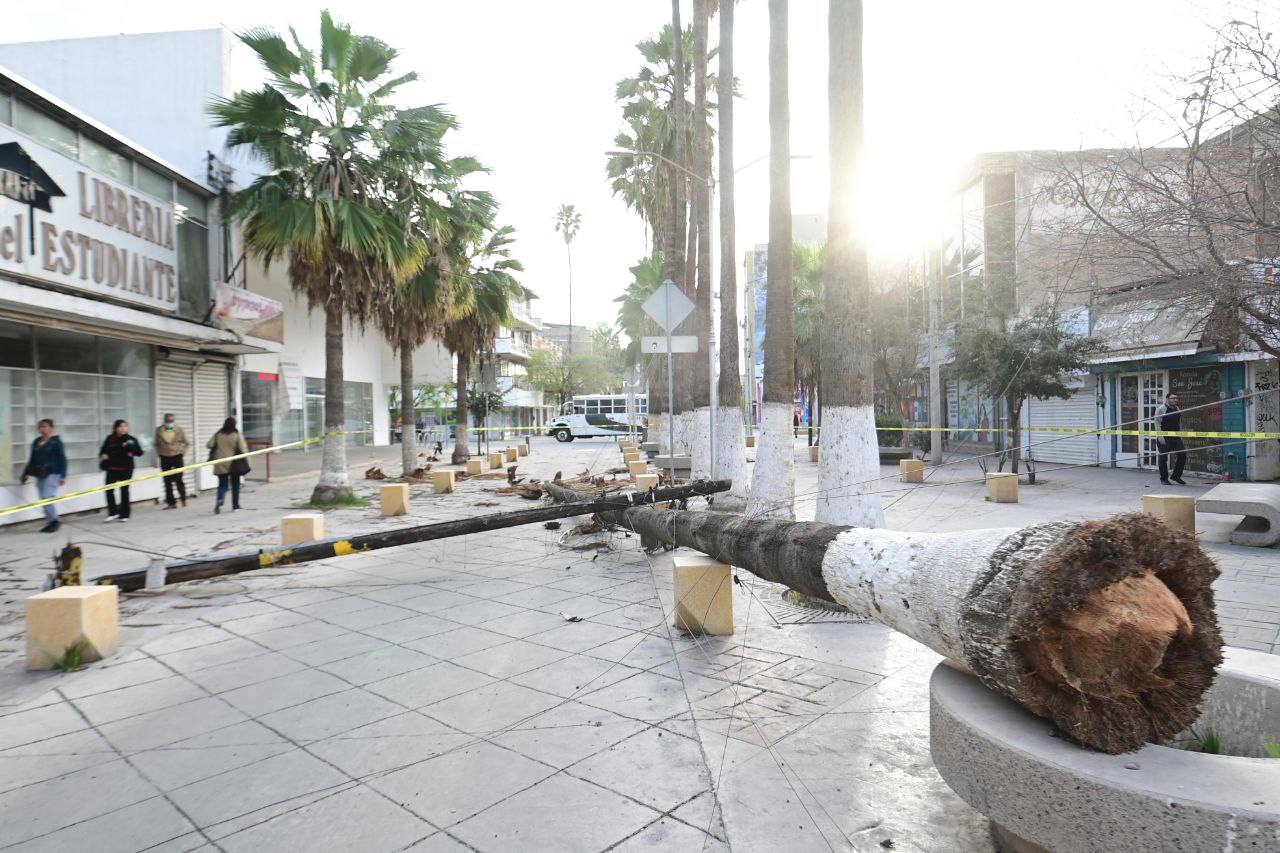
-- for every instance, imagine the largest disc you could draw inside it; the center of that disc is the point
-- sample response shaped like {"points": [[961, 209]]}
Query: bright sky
{"points": [[532, 83]]}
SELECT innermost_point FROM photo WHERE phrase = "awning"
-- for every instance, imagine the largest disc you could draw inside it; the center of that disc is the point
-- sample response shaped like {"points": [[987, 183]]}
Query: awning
{"points": [[1151, 322], [40, 306]]}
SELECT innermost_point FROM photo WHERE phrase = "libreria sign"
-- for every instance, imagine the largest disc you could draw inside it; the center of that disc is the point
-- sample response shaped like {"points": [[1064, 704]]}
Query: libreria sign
{"points": [[65, 225]]}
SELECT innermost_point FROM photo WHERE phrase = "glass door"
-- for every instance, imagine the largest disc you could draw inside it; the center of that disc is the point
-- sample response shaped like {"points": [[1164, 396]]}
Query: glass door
{"points": [[1129, 411], [1153, 391]]}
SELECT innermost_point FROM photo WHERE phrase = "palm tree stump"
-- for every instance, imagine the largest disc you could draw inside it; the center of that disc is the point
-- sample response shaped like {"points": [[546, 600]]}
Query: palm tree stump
{"points": [[1106, 628]]}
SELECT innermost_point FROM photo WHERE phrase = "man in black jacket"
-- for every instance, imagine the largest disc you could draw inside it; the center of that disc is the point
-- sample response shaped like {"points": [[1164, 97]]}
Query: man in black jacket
{"points": [[1169, 419]]}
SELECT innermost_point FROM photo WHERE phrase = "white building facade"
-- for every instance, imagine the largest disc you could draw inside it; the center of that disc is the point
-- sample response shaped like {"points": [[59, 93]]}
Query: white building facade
{"points": [[155, 88]]}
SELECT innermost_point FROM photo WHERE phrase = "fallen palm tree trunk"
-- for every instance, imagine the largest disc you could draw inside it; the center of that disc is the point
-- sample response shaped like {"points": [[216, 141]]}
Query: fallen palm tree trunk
{"points": [[189, 570], [1107, 628]]}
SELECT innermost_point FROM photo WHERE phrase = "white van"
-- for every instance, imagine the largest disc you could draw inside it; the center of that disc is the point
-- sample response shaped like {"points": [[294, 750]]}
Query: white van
{"points": [[590, 415]]}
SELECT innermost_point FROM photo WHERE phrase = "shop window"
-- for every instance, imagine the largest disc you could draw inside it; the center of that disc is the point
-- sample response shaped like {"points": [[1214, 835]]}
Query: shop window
{"points": [[82, 382], [193, 270], [45, 129], [95, 155], [6, 107]]}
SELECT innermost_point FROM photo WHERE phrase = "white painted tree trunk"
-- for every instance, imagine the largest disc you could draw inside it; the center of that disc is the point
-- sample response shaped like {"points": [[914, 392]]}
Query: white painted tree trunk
{"points": [[848, 466], [773, 484], [731, 459], [659, 431], [882, 573], [333, 465], [684, 431], [700, 443]]}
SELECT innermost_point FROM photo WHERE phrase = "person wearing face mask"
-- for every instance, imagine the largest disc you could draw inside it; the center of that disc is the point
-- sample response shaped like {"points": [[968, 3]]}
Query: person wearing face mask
{"points": [[171, 445], [116, 456]]}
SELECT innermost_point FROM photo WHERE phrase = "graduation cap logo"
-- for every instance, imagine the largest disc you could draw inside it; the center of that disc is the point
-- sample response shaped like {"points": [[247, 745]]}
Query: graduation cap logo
{"points": [[22, 180]]}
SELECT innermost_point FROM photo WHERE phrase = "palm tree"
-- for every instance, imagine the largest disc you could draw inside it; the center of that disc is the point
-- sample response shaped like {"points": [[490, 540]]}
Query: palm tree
{"points": [[700, 403], [494, 288], [427, 300], [849, 459], [731, 457], [568, 221], [773, 484], [807, 271], [331, 142]]}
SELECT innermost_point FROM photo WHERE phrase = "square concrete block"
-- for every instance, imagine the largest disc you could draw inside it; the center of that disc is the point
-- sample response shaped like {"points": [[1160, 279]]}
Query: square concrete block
{"points": [[68, 615], [645, 482], [394, 498], [496, 459], [1003, 488], [630, 455], [751, 441], [912, 470], [1177, 511], [813, 453], [522, 450], [442, 482], [512, 454], [475, 466], [637, 468], [302, 527], [704, 595]]}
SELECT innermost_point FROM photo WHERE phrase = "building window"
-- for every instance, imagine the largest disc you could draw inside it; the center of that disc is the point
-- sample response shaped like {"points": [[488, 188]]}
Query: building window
{"points": [[358, 399], [97, 156], [153, 183], [267, 420], [193, 256], [46, 129], [84, 383]]}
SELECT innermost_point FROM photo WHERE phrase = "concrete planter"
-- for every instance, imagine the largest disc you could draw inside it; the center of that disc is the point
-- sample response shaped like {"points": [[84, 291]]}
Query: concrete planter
{"points": [[1042, 792]]}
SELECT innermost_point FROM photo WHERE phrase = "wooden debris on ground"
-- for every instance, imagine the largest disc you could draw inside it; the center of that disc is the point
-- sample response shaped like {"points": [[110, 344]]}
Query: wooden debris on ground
{"points": [[375, 473]]}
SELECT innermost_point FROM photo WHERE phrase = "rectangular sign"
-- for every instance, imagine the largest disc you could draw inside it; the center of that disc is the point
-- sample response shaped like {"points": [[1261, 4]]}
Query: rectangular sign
{"points": [[247, 313], [658, 343], [65, 224]]}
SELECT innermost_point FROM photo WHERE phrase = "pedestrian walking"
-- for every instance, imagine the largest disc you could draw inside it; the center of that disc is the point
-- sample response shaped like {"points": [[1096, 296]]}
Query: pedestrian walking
{"points": [[228, 442], [171, 446], [47, 465], [116, 458], [1169, 419]]}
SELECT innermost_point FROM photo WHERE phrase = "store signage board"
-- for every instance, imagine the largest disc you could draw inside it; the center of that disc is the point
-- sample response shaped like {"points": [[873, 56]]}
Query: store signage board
{"points": [[247, 313], [69, 226]]}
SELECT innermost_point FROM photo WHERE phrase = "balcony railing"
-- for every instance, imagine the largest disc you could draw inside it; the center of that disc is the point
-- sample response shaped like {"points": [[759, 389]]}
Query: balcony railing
{"points": [[511, 347]]}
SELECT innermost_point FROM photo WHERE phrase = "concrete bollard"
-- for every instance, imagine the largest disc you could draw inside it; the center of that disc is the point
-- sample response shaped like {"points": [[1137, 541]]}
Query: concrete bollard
{"points": [[442, 482], [522, 449], [496, 459], [704, 595], [1003, 488], [813, 453], [302, 527], [512, 454], [87, 616], [394, 498], [645, 482], [637, 468], [751, 441], [1177, 511], [912, 470], [475, 466]]}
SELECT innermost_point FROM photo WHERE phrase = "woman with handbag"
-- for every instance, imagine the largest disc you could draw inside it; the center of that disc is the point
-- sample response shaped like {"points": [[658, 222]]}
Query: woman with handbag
{"points": [[228, 442], [116, 458], [47, 464]]}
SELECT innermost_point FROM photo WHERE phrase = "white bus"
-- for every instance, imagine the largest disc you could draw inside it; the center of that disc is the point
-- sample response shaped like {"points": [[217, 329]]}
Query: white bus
{"points": [[590, 415]]}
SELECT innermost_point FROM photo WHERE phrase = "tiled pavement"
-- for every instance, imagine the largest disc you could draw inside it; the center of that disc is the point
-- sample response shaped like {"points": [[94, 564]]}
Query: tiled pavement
{"points": [[434, 697]]}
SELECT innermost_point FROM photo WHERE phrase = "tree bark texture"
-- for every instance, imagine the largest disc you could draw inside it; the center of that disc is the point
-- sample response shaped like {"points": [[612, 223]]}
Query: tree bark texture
{"points": [[1106, 628], [462, 416], [850, 461], [675, 262], [702, 209], [773, 486], [408, 416], [333, 484]]}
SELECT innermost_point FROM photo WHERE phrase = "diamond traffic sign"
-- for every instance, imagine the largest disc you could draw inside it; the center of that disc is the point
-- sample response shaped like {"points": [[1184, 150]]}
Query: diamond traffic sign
{"points": [[668, 306]]}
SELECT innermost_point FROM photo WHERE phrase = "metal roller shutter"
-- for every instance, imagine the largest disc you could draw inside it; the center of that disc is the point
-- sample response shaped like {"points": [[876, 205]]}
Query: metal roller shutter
{"points": [[1079, 411], [175, 394], [212, 407]]}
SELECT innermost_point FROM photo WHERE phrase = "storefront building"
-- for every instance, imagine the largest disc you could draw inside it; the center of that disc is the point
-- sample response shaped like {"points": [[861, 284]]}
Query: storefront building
{"points": [[105, 294]]}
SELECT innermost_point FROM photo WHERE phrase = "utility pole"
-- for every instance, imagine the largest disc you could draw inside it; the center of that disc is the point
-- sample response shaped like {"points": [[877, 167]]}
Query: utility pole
{"points": [[935, 369]]}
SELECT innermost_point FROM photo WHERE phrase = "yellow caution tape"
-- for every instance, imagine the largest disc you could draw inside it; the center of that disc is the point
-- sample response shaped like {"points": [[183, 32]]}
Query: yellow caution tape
{"points": [[173, 471]]}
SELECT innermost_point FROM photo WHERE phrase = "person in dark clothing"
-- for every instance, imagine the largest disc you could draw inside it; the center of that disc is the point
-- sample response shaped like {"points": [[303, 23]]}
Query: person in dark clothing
{"points": [[48, 465], [1169, 419], [116, 458]]}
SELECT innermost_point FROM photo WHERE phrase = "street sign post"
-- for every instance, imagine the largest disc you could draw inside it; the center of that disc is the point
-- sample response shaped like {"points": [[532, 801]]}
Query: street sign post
{"points": [[654, 344], [668, 306]]}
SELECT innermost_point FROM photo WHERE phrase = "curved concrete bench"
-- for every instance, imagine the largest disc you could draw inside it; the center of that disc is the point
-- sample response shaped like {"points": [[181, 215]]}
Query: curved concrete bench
{"points": [[1042, 792], [1259, 503]]}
